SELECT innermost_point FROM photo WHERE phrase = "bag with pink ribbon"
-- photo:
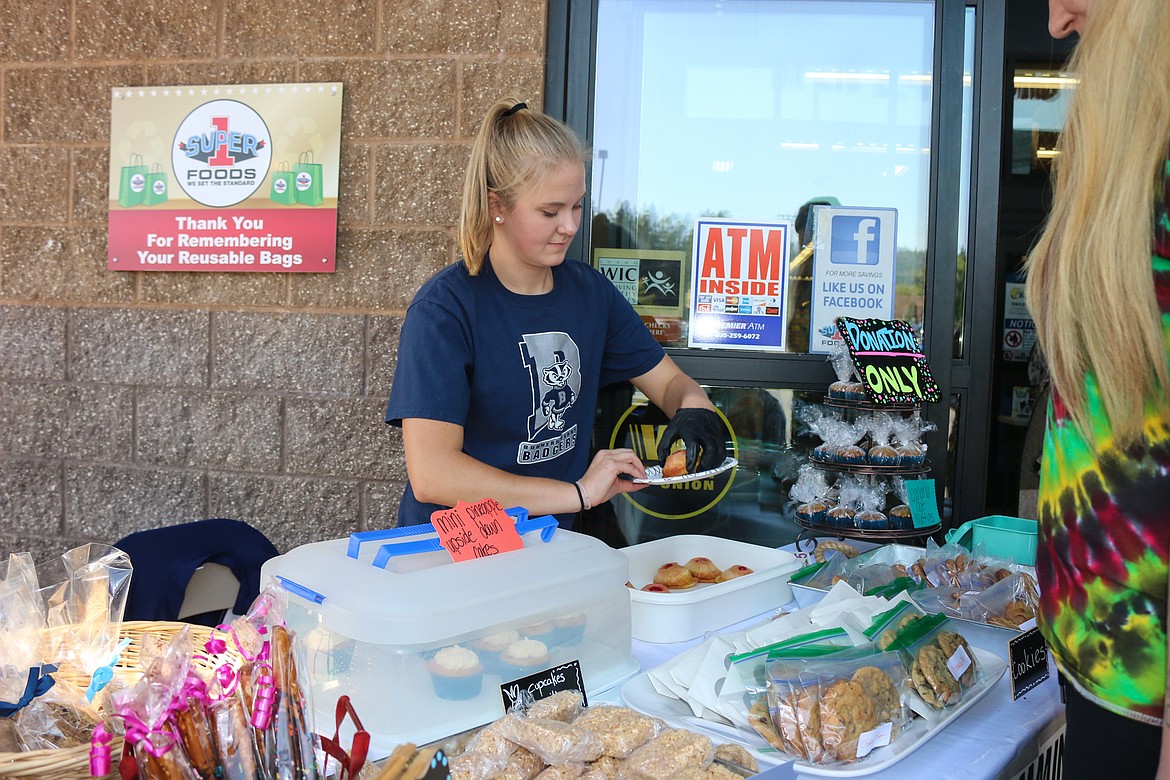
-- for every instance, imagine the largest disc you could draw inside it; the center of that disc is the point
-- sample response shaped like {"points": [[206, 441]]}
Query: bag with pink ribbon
{"points": [[234, 708]]}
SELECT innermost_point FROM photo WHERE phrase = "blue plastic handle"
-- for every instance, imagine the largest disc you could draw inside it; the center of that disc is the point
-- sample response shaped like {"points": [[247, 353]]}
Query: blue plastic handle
{"points": [[388, 551], [356, 540], [306, 593], [546, 524]]}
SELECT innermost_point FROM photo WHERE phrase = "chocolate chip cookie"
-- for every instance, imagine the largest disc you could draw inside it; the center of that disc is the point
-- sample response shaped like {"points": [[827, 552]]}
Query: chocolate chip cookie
{"points": [[950, 642], [846, 713], [932, 666], [881, 689]]}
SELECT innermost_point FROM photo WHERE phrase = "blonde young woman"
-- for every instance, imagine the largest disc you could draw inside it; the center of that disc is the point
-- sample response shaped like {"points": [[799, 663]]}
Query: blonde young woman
{"points": [[502, 354], [1099, 288]]}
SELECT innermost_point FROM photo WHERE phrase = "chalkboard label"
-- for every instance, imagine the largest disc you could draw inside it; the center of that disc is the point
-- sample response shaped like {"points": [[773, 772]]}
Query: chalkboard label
{"points": [[1028, 660], [888, 360], [566, 677]]}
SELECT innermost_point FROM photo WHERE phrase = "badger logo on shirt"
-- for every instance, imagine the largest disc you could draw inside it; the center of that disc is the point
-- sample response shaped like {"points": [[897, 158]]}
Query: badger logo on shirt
{"points": [[554, 367]]}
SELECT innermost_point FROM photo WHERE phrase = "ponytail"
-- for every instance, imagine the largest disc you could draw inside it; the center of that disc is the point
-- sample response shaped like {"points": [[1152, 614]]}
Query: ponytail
{"points": [[514, 148]]}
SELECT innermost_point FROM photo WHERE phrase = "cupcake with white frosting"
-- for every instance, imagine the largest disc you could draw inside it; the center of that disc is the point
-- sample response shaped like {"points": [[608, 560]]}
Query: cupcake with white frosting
{"points": [[524, 657], [456, 673], [569, 629], [489, 647]]}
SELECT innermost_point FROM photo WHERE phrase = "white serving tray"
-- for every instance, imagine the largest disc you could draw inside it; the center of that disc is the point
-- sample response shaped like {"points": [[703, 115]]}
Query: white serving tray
{"points": [[687, 614], [640, 694]]}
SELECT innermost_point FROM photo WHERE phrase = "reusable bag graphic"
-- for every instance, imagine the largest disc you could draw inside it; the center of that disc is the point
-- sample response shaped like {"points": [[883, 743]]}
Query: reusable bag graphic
{"points": [[307, 180], [156, 186], [283, 189], [132, 186]]}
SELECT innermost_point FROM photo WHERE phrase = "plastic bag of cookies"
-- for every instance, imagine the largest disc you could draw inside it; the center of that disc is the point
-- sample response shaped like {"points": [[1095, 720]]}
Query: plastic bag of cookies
{"points": [[941, 663], [837, 708], [1010, 603], [885, 627], [748, 671]]}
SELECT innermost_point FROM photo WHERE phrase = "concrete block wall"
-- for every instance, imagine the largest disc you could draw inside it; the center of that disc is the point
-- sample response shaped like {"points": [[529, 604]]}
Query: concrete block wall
{"points": [[136, 400]]}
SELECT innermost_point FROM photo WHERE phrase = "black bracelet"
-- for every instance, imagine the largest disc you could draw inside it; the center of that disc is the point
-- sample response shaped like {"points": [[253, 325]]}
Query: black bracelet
{"points": [[580, 497]]}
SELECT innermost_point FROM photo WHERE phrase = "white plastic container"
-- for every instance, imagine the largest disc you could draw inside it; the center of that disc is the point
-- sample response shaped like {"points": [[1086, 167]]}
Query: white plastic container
{"points": [[686, 614], [374, 630]]}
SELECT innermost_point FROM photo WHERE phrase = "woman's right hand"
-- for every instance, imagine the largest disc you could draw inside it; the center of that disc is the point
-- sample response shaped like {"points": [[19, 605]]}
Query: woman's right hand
{"points": [[603, 478]]}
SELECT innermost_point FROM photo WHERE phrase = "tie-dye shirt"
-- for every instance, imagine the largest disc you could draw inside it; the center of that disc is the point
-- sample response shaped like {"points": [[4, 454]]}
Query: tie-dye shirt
{"points": [[1104, 542]]}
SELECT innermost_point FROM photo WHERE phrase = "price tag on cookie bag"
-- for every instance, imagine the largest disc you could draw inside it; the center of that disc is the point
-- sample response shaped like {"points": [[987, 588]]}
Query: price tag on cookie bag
{"points": [[1027, 662], [541, 685], [476, 530], [959, 662], [874, 738]]}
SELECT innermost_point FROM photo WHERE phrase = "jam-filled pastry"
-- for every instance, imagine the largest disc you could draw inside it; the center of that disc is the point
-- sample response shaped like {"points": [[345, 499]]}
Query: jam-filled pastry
{"points": [[703, 569], [674, 576], [731, 572]]}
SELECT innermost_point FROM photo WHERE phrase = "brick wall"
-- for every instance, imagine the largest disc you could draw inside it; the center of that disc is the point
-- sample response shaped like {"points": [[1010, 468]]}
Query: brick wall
{"points": [[134, 400]]}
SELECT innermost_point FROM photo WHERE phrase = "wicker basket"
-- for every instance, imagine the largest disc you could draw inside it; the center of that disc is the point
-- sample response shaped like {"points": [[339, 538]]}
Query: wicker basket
{"points": [[73, 763]]}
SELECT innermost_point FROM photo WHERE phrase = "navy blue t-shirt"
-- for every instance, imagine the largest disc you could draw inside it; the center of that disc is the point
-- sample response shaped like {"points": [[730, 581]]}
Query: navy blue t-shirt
{"points": [[520, 373]]}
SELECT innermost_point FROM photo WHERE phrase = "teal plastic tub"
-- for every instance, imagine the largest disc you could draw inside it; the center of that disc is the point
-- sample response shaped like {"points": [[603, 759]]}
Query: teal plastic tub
{"points": [[1001, 536]]}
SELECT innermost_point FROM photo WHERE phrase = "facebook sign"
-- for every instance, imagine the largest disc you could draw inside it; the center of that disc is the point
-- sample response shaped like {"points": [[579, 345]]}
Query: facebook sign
{"points": [[855, 240], [855, 274]]}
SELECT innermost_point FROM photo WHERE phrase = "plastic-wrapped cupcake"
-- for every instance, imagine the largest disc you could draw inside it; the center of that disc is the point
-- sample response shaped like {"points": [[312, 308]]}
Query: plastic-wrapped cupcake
{"points": [[869, 500], [883, 455], [814, 511], [852, 454], [899, 515], [911, 454], [881, 432], [855, 391], [908, 436], [523, 657], [489, 648], [839, 389], [900, 518], [569, 630], [871, 520], [841, 516], [456, 673]]}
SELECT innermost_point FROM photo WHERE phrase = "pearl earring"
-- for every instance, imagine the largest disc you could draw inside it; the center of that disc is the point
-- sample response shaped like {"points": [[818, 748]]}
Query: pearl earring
{"points": [[499, 219]]}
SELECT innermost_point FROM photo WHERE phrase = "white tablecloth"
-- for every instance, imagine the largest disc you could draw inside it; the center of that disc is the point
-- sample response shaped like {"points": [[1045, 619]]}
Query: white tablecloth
{"points": [[995, 738]]}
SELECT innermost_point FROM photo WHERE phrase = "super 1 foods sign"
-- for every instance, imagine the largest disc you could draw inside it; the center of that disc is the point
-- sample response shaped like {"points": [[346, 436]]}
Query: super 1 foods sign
{"points": [[224, 178]]}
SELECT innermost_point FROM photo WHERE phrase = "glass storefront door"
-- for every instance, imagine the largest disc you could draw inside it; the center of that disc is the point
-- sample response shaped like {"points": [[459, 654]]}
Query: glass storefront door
{"points": [[799, 116]]}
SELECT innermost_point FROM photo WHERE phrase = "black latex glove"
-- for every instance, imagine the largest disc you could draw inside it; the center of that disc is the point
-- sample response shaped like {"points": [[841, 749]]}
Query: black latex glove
{"points": [[703, 432]]}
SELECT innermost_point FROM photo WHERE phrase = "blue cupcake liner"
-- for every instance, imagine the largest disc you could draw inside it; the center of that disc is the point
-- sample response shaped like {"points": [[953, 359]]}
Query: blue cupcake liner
{"points": [[457, 687]]}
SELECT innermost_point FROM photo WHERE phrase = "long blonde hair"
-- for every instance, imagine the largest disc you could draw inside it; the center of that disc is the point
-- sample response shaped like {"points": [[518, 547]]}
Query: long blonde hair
{"points": [[513, 149], [1090, 283]]}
